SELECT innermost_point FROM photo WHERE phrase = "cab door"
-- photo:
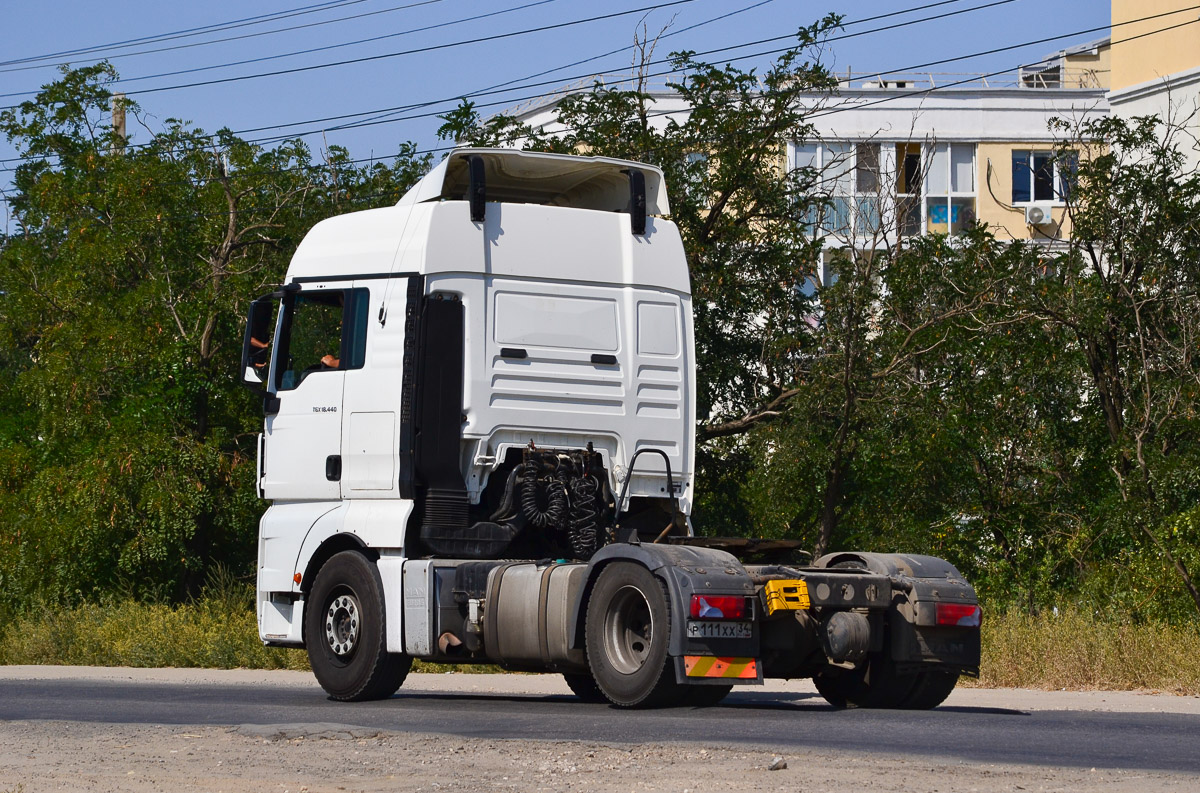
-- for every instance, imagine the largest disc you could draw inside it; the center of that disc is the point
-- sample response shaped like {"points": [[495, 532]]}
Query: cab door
{"points": [[315, 345]]}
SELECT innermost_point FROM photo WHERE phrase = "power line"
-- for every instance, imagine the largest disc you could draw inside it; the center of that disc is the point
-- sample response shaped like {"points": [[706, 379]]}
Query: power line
{"points": [[501, 88], [931, 89], [244, 35], [512, 100], [433, 150], [874, 30], [382, 112], [382, 56], [914, 67], [494, 88], [660, 113], [558, 81], [326, 47], [197, 31]]}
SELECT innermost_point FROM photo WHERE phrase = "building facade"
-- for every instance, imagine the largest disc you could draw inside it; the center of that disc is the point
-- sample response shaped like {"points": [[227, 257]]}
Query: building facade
{"points": [[1156, 66], [901, 155], [899, 159]]}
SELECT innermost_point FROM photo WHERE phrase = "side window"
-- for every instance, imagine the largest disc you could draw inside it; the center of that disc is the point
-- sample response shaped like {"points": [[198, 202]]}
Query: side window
{"points": [[323, 331]]}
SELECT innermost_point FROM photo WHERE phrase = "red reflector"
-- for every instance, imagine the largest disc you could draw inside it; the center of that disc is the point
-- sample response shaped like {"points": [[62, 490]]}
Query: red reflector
{"points": [[959, 614], [720, 607]]}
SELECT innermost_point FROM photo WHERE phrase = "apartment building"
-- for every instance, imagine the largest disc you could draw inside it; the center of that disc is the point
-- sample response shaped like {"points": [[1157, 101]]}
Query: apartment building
{"points": [[909, 154], [922, 154], [1156, 66]]}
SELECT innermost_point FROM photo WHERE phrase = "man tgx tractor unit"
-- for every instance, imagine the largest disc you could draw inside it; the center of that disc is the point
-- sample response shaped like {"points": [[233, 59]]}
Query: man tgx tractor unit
{"points": [[479, 447]]}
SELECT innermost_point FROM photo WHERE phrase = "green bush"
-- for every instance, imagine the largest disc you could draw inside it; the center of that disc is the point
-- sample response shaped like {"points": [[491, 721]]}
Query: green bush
{"points": [[217, 630]]}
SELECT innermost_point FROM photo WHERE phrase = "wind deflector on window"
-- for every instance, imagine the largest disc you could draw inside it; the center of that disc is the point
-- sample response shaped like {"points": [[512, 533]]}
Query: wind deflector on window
{"points": [[637, 202], [600, 183], [477, 189]]}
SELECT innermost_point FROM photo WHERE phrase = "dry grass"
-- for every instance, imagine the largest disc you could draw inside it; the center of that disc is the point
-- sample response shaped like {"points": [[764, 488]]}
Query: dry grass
{"points": [[1074, 650], [217, 631], [1071, 650]]}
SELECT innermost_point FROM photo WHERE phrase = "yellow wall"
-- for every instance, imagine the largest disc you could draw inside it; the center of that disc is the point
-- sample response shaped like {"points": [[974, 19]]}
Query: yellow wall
{"points": [[1086, 70], [1008, 222], [1155, 56]]}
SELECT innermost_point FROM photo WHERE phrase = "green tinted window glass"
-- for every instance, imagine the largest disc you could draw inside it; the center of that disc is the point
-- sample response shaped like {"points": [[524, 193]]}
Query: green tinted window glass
{"points": [[314, 337]]}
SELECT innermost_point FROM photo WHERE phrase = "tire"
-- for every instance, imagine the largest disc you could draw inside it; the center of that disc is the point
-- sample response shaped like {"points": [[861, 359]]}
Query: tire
{"points": [[930, 690], [344, 632], [875, 684], [705, 696], [627, 630], [584, 686]]}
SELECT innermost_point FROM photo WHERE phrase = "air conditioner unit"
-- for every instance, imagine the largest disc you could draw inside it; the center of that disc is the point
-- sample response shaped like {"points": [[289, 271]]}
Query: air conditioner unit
{"points": [[1038, 214]]}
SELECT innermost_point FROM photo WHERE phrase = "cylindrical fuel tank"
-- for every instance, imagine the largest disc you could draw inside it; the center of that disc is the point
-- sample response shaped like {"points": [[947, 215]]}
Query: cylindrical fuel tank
{"points": [[527, 615]]}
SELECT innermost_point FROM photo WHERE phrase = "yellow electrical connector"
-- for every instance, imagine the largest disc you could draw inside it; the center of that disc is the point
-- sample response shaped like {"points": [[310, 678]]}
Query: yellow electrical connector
{"points": [[791, 595]]}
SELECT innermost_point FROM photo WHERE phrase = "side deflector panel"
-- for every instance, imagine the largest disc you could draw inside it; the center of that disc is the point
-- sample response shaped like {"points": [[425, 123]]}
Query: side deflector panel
{"points": [[408, 387], [438, 414]]}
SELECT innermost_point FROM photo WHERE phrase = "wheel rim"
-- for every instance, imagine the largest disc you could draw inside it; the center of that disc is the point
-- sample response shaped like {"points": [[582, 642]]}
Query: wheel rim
{"points": [[628, 630], [343, 620]]}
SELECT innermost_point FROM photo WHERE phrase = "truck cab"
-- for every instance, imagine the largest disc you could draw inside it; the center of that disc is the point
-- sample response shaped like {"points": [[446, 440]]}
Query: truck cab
{"points": [[479, 446]]}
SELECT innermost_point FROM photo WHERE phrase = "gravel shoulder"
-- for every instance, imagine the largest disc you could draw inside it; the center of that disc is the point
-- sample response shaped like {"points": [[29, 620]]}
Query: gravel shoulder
{"points": [[51, 756]]}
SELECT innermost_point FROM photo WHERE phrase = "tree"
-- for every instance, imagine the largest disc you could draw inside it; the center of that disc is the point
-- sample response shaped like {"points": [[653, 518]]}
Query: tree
{"points": [[1126, 296], [127, 449]]}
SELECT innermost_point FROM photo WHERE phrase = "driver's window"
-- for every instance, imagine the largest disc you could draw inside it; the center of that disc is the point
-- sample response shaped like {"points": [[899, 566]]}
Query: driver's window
{"points": [[314, 337]]}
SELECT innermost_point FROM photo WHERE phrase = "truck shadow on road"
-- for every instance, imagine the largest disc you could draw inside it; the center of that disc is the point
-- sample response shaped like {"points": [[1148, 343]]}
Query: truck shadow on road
{"points": [[741, 701]]}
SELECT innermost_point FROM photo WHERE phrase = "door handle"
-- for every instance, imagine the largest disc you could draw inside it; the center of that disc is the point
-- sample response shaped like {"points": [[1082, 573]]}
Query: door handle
{"points": [[333, 468]]}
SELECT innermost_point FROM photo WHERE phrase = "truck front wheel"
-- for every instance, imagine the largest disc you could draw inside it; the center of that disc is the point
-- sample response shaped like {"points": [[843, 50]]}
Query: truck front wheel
{"points": [[584, 686], [344, 632], [627, 631]]}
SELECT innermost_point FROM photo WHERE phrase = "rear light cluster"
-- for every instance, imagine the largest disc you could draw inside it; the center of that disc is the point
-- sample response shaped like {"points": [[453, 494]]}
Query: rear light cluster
{"points": [[720, 607], [961, 615]]}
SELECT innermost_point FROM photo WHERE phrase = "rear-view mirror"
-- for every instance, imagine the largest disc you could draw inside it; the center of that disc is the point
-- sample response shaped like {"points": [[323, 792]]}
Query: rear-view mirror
{"points": [[256, 347]]}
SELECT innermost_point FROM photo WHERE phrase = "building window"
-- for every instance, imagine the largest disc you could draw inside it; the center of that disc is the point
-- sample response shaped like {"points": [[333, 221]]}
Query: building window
{"points": [[1042, 176], [867, 179], [908, 188], [825, 271], [950, 188], [695, 168], [848, 178]]}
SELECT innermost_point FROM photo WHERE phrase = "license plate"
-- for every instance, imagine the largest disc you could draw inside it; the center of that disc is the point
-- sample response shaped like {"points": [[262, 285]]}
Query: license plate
{"points": [[719, 630]]}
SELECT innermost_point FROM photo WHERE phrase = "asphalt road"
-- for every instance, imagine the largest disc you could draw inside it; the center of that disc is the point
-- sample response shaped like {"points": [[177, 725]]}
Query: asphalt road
{"points": [[777, 721]]}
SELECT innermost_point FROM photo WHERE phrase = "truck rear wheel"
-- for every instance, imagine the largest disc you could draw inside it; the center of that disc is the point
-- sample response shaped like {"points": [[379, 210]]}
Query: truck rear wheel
{"points": [[930, 690], [627, 630], [705, 696], [877, 684], [344, 632]]}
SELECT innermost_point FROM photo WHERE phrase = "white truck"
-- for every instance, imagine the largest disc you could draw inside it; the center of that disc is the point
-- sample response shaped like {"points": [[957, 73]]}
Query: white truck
{"points": [[479, 445]]}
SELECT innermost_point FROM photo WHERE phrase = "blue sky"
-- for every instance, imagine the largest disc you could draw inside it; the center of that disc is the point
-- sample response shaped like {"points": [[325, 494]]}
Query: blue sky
{"points": [[52, 26]]}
